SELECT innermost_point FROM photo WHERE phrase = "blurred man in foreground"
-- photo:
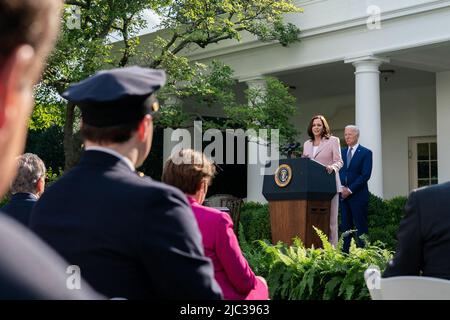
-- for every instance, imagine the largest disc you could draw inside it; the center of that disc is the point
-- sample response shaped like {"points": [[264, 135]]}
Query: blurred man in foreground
{"points": [[29, 269]]}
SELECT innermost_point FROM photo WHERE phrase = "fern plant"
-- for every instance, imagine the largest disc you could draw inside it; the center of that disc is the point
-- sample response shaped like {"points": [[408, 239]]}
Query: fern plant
{"points": [[299, 273]]}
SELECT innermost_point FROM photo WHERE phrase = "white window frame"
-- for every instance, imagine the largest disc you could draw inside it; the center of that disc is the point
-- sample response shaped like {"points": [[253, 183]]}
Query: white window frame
{"points": [[412, 157]]}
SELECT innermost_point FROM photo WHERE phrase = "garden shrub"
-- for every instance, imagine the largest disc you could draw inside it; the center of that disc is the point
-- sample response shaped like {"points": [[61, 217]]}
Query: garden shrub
{"points": [[299, 273], [255, 221], [48, 145], [384, 218]]}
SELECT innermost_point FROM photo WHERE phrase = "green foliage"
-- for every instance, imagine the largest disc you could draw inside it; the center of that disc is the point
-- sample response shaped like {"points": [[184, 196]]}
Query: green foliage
{"points": [[272, 108], [48, 111], [203, 22], [384, 218], [255, 222], [81, 52], [284, 33], [204, 85], [256, 257], [48, 145], [172, 116], [213, 86], [299, 273], [4, 201], [53, 175]]}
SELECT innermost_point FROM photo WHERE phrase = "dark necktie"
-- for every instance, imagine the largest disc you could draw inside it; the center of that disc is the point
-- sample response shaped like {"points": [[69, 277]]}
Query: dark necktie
{"points": [[349, 156]]}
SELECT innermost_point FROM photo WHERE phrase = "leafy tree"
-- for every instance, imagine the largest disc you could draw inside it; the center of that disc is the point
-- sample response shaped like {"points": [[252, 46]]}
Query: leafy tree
{"points": [[82, 51], [272, 108], [202, 22]]}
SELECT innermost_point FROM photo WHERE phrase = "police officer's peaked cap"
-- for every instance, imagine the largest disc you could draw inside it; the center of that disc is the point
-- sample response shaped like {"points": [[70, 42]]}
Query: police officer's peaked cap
{"points": [[117, 96]]}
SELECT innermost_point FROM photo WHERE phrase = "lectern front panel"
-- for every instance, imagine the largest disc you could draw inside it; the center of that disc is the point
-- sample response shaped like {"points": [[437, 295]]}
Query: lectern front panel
{"points": [[288, 220]]}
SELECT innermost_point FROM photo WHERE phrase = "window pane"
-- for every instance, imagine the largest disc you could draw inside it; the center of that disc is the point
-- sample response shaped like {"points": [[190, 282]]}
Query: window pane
{"points": [[433, 151], [423, 183], [423, 169], [434, 181], [434, 169], [423, 151]]}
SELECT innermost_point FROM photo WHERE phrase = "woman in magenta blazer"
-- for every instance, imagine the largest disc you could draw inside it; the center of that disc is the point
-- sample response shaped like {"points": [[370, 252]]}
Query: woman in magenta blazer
{"points": [[192, 172], [326, 149]]}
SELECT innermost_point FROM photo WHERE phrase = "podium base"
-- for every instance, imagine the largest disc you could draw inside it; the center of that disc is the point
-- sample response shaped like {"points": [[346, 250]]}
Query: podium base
{"points": [[296, 218]]}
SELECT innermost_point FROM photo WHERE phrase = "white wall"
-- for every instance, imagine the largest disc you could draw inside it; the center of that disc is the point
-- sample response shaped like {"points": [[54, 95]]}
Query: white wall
{"points": [[409, 112], [443, 125], [321, 13]]}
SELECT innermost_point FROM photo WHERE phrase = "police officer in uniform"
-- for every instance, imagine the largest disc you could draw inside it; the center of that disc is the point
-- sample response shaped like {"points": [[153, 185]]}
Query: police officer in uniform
{"points": [[132, 237]]}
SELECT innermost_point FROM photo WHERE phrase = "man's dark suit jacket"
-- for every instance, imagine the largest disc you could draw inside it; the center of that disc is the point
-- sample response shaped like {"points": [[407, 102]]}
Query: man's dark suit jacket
{"points": [[424, 235], [20, 206], [355, 177], [29, 269], [132, 237]]}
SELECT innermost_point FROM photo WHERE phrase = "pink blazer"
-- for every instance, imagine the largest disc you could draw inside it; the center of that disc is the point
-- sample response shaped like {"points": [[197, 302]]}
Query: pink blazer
{"points": [[328, 153], [231, 269]]}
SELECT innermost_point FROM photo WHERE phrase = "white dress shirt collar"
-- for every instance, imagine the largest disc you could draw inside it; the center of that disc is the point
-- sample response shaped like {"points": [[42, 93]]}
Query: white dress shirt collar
{"points": [[354, 148], [113, 153]]}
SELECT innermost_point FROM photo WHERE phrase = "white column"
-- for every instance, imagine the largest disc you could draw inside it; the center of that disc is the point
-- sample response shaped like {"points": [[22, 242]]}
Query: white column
{"points": [[256, 146], [368, 115], [442, 124]]}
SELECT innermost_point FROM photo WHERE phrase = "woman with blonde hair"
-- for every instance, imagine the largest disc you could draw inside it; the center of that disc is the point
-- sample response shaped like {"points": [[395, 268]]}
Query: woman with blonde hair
{"points": [[326, 149], [192, 172]]}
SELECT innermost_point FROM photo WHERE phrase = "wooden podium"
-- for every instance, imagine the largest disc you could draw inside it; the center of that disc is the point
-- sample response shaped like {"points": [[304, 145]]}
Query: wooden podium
{"points": [[299, 192]]}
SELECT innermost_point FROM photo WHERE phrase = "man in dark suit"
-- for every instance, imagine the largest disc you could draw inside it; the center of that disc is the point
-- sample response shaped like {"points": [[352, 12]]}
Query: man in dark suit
{"points": [[29, 269], [132, 237], [354, 192], [424, 235], [26, 188]]}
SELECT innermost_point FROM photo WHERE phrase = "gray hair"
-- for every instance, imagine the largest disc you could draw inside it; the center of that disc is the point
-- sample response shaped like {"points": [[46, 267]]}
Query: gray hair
{"points": [[354, 128], [30, 169]]}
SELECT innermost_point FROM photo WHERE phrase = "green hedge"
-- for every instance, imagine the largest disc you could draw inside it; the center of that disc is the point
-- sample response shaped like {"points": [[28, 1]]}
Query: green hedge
{"points": [[48, 145], [384, 218], [299, 273], [255, 221]]}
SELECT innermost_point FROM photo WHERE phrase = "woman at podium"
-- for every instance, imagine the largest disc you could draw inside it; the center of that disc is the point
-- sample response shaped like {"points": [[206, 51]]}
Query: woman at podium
{"points": [[192, 172], [326, 149]]}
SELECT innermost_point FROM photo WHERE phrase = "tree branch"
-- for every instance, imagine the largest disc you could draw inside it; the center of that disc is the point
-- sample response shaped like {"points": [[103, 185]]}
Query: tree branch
{"points": [[77, 3], [68, 136], [126, 41]]}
